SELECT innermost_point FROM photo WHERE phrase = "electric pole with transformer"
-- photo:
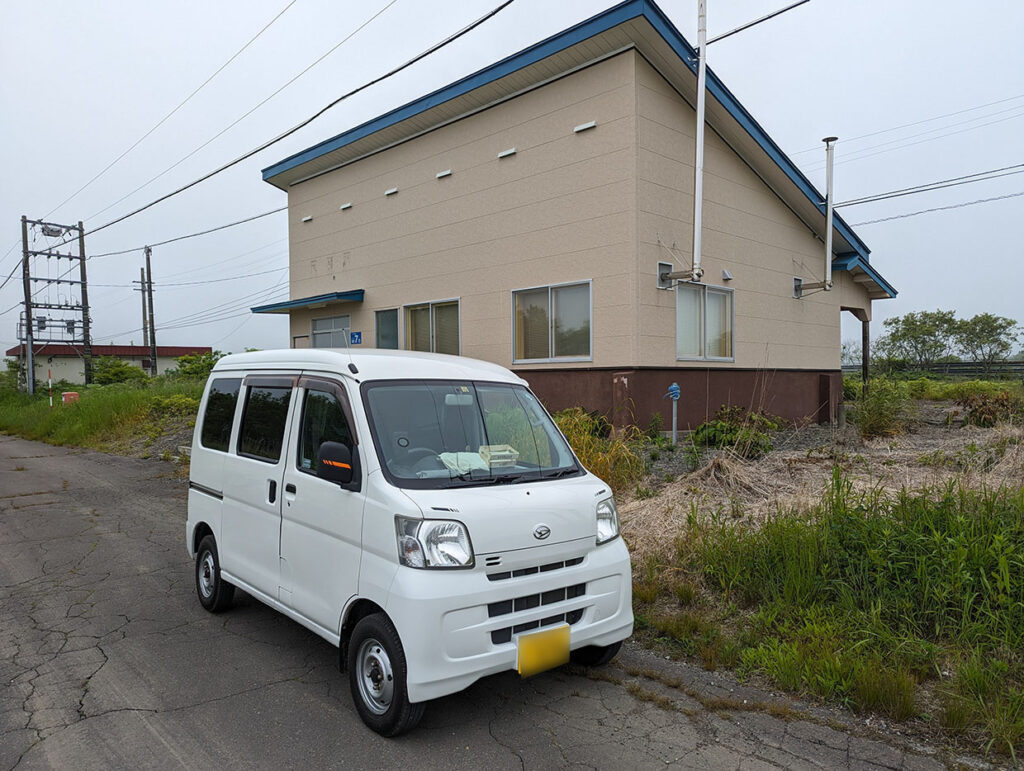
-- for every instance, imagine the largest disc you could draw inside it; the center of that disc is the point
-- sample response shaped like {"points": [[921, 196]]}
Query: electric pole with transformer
{"points": [[65, 319]]}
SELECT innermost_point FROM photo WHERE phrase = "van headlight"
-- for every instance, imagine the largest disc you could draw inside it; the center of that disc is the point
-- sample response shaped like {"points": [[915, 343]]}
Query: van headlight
{"points": [[433, 543], [607, 521]]}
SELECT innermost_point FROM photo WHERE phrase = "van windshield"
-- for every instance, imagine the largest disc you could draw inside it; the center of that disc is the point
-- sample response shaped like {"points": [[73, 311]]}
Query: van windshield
{"points": [[440, 434]]}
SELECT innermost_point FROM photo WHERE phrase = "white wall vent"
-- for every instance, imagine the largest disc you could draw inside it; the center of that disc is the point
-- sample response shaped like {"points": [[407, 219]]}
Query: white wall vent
{"points": [[308, 218], [443, 174], [507, 153], [585, 126], [391, 191], [345, 206]]}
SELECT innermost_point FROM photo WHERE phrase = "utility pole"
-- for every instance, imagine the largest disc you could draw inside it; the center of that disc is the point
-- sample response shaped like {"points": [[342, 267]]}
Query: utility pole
{"points": [[86, 327], [26, 278], [145, 315], [152, 324], [65, 327]]}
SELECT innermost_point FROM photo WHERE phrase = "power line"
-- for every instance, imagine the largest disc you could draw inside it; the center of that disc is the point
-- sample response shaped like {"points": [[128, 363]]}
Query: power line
{"points": [[163, 285], [307, 121], [940, 208], [164, 119], [864, 154], [981, 176], [192, 235], [918, 122], [245, 115]]}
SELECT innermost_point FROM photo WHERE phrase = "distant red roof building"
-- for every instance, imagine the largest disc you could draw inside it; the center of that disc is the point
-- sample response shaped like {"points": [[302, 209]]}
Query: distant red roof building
{"points": [[134, 351]]}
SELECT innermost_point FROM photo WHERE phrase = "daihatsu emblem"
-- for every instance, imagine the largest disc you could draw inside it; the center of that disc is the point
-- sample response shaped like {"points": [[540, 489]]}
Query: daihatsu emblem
{"points": [[541, 532]]}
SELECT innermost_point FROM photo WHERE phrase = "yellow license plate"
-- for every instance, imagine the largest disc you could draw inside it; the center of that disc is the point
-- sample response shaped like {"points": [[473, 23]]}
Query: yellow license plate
{"points": [[539, 651]]}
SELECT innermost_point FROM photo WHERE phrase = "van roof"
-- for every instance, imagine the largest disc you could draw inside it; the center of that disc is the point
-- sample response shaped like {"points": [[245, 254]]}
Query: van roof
{"points": [[372, 363]]}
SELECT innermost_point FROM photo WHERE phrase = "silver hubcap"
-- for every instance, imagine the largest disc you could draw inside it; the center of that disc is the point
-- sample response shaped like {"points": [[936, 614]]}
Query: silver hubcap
{"points": [[376, 678], [206, 574]]}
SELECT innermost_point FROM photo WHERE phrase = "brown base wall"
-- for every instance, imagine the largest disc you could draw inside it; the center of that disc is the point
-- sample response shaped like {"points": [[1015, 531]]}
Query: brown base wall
{"points": [[632, 396]]}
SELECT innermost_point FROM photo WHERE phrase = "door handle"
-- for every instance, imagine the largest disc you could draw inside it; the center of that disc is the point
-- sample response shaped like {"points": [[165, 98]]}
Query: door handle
{"points": [[289, 488], [273, 491]]}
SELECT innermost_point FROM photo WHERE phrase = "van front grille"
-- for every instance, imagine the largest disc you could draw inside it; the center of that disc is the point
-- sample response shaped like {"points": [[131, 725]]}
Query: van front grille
{"points": [[504, 635], [530, 601], [533, 570]]}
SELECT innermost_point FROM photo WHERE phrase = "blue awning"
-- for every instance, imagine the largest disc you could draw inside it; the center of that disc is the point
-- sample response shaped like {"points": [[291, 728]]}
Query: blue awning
{"points": [[352, 296]]}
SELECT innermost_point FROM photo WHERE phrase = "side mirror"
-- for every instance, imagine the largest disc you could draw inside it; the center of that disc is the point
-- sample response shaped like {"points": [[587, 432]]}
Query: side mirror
{"points": [[334, 463]]}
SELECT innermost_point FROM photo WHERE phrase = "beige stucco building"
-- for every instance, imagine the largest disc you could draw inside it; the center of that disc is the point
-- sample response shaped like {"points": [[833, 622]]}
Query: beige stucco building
{"points": [[527, 214]]}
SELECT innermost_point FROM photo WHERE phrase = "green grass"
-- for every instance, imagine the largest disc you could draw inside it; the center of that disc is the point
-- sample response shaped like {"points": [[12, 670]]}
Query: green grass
{"points": [[864, 600], [104, 416]]}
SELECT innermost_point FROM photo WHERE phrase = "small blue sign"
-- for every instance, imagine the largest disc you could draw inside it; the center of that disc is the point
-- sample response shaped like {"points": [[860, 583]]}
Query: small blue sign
{"points": [[355, 338]]}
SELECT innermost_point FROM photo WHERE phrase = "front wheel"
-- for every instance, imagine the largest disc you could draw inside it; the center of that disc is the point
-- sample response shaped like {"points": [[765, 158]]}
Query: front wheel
{"points": [[595, 655], [377, 677], [215, 594]]}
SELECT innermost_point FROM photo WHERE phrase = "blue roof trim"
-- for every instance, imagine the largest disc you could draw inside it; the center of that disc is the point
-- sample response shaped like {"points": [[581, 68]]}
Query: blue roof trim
{"points": [[562, 40], [853, 260], [352, 296], [602, 22]]}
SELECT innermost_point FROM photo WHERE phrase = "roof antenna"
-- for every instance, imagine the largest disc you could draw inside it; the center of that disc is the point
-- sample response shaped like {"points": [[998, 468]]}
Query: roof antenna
{"points": [[351, 364]]}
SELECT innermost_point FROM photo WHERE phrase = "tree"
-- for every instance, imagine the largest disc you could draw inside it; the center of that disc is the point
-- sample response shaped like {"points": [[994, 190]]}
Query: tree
{"points": [[851, 353], [920, 338], [986, 338], [108, 369], [196, 366]]}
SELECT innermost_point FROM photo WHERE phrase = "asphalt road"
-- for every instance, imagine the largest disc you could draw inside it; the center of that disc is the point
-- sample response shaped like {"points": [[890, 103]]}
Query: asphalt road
{"points": [[108, 661]]}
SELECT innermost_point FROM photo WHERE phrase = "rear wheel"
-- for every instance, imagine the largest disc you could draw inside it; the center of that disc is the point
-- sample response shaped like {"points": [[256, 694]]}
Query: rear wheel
{"points": [[377, 677], [215, 594], [595, 655]]}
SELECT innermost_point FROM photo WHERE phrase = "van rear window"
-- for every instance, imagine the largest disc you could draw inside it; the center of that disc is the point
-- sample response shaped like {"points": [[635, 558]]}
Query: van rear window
{"points": [[220, 413], [263, 422]]}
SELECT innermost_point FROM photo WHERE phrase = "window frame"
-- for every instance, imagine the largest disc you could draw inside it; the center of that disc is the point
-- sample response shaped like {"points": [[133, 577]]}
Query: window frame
{"points": [[307, 383], [705, 288], [265, 381], [234, 413], [404, 346], [398, 328], [589, 282], [313, 332]]}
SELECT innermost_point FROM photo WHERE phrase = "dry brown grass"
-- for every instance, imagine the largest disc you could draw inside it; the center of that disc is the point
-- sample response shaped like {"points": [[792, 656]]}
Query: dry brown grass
{"points": [[796, 473]]}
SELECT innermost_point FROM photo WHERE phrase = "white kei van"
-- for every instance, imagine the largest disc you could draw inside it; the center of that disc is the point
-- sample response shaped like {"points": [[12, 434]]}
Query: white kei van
{"points": [[422, 512]]}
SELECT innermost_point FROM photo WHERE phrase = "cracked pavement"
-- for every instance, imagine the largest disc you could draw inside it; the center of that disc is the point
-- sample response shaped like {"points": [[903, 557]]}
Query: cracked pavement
{"points": [[107, 660]]}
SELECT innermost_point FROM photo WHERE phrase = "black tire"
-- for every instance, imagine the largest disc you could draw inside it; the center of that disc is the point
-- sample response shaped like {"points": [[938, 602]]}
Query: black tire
{"points": [[377, 677], [215, 594], [595, 655]]}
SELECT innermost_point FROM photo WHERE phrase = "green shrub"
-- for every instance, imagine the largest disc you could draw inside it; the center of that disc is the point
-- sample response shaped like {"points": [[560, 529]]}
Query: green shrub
{"points": [[987, 409], [746, 433], [107, 370], [611, 458], [885, 409], [196, 366]]}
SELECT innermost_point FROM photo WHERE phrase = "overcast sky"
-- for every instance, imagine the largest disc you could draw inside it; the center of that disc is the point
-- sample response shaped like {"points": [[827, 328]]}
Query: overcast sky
{"points": [[81, 82]]}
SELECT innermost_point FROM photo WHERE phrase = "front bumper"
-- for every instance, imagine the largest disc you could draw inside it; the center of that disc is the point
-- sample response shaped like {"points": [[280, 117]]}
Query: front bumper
{"points": [[460, 625]]}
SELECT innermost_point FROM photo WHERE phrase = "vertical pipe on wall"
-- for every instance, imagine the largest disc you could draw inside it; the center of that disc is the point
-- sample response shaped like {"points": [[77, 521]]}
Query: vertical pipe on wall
{"points": [[829, 153], [698, 157]]}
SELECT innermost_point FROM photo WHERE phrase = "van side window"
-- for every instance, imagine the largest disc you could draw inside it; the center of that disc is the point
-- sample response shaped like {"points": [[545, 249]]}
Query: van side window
{"points": [[263, 422], [220, 413], [323, 420]]}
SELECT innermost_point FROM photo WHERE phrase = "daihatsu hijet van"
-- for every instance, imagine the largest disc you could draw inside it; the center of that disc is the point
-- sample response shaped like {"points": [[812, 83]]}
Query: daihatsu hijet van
{"points": [[422, 512]]}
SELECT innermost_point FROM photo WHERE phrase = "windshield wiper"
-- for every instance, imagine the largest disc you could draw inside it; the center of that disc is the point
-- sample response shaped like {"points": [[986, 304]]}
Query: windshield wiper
{"points": [[560, 472]]}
